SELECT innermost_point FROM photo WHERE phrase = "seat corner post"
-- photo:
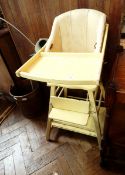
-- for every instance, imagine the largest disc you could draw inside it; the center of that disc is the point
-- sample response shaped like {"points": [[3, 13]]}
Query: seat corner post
{"points": [[48, 129]]}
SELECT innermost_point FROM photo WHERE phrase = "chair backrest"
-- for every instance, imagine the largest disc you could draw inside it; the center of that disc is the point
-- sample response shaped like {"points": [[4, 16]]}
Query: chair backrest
{"points": [[79, 30]]}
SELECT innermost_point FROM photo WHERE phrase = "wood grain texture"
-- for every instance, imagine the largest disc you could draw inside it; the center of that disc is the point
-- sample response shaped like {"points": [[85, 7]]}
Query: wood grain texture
{"points": [[35, 19], [9, 54], [119, 72], [114, 133], [2, 168], [9, 165], [4, 77], [70, 154]]}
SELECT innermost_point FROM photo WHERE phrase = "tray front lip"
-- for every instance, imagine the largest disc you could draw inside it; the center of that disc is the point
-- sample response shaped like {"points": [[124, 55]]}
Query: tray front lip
{"points": [[56, 82]]}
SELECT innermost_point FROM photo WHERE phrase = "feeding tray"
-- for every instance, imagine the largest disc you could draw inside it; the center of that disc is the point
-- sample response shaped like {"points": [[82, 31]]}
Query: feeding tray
{"points": [[63, 68]]}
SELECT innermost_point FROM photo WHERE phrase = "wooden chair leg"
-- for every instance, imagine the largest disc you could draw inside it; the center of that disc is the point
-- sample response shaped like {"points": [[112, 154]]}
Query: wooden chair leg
{"points": [[48, 129], [102, 89], [93, 111], [52, 90], [65, 92]]}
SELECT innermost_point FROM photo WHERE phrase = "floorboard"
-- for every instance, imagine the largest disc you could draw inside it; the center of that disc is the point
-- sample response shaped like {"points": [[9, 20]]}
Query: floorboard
{"points": [[25, 151]]}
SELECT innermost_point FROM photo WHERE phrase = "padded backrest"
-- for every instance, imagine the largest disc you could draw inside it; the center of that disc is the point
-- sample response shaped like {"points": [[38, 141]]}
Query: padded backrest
{"points": [[79, 30]]}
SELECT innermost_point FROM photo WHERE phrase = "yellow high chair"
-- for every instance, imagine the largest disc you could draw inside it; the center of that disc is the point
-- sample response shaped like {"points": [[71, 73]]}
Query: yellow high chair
{"points": [[72, 58], [77, 31]]}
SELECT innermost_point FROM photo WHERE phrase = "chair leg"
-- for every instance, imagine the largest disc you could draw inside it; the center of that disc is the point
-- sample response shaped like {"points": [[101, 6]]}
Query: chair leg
{"points": [[93, 111], [65, 92], [52, 93], [52, 90], [102, 89], [48, 129]]}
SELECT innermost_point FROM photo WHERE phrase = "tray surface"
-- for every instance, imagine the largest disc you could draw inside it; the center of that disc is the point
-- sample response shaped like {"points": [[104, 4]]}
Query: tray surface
{"points": [[65, 68]]}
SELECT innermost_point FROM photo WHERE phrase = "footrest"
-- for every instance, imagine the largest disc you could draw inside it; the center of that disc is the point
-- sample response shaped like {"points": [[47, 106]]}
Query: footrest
{"points": [[77, 122], [70, 104], [76, 119]]}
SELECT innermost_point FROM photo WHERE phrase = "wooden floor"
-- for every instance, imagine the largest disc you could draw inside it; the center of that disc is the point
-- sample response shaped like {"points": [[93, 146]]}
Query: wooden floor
{"points": [[24, 150]]}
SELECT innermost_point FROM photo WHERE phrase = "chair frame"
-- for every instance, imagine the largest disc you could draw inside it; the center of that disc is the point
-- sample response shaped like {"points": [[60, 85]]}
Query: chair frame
{"points": [[95, 110], [26, 72]]}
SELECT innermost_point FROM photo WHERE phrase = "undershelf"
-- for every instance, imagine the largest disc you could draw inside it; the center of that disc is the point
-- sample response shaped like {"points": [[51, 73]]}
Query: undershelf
{"points": [[88, 129]]}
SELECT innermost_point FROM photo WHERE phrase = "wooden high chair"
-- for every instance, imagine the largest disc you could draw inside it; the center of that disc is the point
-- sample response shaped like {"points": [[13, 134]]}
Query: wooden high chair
{"points": [[79, 31], [72, 58]]}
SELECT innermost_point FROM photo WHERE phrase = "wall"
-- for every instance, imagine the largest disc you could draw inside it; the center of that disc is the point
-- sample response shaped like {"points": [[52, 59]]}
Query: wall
{"points": [[9, 54], [4, 77], [35, 18]]}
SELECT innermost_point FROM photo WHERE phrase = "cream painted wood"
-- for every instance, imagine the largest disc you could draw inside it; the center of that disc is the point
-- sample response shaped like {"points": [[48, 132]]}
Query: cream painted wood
{"points": [[85, 87], [29, 63], [73, 60], [93, 111], [68, 117], [70, 104], [76, 113], [65, 92], [79, 30], [102, 89], [64, 68], [88, 129], [94, 118], [32, 71]]}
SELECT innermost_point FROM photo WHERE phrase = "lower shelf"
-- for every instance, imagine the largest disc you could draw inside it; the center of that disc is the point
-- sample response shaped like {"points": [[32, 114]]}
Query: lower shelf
{"points": [[60, 120]]}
